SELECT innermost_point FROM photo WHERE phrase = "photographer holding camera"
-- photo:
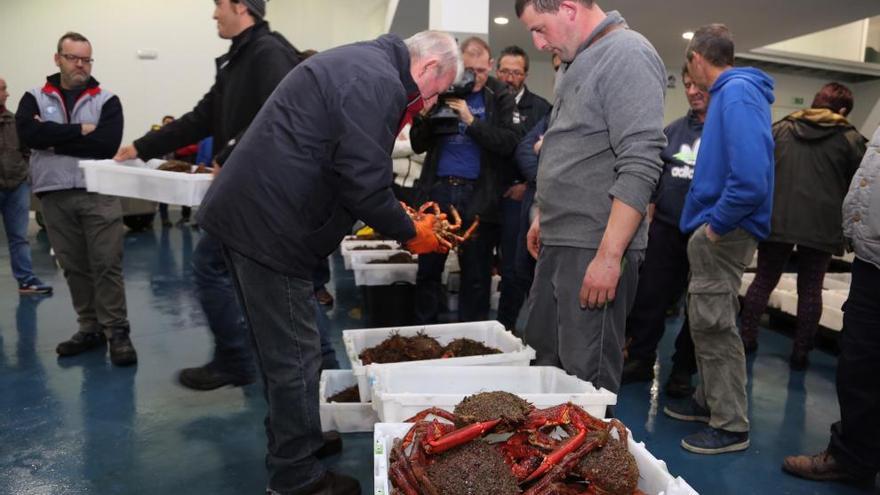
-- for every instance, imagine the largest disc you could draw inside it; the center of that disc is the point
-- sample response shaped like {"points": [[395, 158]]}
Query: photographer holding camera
{"points": [[466, 150]]}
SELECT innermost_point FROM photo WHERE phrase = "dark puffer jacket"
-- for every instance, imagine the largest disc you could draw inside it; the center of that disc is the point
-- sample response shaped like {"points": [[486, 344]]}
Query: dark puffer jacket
{"points": [[13, 165], [317, 157], [817, 152]]}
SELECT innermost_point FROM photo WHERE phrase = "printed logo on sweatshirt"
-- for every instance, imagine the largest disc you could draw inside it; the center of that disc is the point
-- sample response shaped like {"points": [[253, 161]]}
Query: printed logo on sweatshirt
{"points": [[687, 154]]}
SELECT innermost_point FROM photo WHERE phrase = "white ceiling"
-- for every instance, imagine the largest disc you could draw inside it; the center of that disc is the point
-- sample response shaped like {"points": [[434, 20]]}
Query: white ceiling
{"points": [[755, 23]]}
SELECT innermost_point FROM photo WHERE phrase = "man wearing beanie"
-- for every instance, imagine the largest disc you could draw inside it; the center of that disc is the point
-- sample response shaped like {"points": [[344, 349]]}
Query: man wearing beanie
{"points": [[246, 75]]}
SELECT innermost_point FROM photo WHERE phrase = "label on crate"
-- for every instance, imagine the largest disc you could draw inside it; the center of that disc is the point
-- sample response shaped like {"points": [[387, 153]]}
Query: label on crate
{"points": [[379, 448]]}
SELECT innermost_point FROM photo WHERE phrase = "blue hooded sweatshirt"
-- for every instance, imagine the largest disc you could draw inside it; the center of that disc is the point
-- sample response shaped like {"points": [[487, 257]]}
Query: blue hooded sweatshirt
{"points": [[733, 178]]}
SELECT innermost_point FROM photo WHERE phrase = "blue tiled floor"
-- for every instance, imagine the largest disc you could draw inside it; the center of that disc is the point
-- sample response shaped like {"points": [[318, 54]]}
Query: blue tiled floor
{"points": [[80, 426]]}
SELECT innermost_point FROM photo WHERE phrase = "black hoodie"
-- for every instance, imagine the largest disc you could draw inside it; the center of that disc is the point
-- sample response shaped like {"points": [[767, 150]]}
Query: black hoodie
{"points": [[817, 152], [257, 61]]}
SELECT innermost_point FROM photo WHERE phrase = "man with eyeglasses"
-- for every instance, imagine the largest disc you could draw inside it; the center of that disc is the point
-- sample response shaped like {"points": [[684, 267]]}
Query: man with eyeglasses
{"points": [[461, 170], [71, 118], [513, 69]]}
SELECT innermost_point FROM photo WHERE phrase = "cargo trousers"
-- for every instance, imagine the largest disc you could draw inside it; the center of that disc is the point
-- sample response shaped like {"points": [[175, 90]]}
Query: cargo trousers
{"points": [[86, 231], [716, 275]]}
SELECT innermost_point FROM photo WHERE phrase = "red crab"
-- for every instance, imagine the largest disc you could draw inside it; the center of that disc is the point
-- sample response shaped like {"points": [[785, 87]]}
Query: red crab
{"points": [[446, 231], [535, 458]]}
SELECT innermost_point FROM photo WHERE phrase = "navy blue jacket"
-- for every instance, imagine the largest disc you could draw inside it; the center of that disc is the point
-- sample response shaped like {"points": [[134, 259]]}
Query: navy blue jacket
{"points": [[317, 157], [733, 180], [529, 112], [679, 157]]}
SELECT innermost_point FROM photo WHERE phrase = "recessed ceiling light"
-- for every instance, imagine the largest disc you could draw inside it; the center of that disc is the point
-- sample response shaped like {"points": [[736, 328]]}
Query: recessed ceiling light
{"points": [[501, 20], [688, 35]]}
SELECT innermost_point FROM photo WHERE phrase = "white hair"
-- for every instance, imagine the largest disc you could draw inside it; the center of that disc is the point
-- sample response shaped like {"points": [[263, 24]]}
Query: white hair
{"points": [[439, 45]]}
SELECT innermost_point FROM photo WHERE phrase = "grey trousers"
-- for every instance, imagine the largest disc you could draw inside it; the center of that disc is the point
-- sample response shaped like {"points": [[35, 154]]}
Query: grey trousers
{"points": [[583, 342], [86, 231], [716, 275]]}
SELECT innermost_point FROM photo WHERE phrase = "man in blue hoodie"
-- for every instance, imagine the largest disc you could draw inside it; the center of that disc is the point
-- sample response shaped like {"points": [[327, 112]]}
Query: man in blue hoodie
{"points": [[728, 211]]}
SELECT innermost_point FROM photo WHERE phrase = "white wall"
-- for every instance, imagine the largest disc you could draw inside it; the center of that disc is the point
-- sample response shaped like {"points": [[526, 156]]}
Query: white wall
{"points": [[181, 31], [845, 42], [865, 116]]}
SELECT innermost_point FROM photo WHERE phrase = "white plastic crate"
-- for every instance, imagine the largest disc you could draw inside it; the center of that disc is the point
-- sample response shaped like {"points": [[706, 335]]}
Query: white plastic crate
{"points": [[451, 267], [344, 417], [452, 301], [383, 273], [495, 285], [491, 333], [400, 393], [136, 179], [453, 282], [654, 477], [346, 248]]}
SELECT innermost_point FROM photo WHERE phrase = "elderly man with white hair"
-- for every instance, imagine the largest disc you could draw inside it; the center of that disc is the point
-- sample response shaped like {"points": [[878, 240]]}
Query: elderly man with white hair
{"points": [[316, 158]]}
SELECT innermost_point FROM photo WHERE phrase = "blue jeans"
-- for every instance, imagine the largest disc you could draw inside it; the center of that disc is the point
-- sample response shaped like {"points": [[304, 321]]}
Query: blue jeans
{"points": [[474, 256], [280, 313], [322, 274], [513, 295], [854, 439], [14, 204], [216, 293]]}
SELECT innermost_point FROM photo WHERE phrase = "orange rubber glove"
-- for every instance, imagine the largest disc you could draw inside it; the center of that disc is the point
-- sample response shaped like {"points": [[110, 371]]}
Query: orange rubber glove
{"points": [[425, 241]]}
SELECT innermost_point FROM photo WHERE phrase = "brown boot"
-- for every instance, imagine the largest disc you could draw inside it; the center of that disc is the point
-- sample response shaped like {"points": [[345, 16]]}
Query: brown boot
{"points": [[819, 467]]}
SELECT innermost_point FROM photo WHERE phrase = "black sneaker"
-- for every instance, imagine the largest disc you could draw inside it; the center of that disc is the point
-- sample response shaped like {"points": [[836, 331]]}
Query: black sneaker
{"points": [[122, 351], [332, 445], [687, 411], [331, 484], [679, 385], [209, 377], [81, 342], [715, 441], [637, 370], [32, 286]]}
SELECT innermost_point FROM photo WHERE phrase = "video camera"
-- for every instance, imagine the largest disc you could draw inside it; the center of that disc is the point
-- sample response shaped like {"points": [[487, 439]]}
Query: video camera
{"points": [[443, 119]]}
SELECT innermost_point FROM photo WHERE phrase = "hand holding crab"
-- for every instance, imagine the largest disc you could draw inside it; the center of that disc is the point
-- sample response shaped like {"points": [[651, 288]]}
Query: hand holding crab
{"points": [[434, 232]]}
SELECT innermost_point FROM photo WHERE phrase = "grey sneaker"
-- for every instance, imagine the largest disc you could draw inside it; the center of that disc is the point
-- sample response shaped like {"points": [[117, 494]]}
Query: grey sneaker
{"points": [[715, 441], [687, 411]]}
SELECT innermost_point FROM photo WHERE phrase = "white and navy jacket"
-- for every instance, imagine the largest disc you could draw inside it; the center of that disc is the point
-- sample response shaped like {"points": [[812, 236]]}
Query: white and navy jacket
{"points": [[56, 137]]}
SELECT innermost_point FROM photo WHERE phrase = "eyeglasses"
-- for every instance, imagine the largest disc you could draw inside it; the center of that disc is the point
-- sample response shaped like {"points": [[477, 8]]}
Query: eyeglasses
{"points": [[74, 59], [508, 72]]}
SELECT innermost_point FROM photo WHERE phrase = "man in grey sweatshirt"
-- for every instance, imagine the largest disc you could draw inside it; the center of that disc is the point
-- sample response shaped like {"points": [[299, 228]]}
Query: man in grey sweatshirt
{"points": [[599, 163]]}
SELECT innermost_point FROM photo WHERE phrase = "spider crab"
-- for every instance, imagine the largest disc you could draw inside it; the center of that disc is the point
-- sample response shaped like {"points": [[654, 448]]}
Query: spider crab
{"points": [[539, 462], [446, 231]]}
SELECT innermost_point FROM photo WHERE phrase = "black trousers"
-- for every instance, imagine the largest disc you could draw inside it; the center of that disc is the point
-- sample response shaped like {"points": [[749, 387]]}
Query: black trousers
{"points": [[855, 439], [662, 281]]}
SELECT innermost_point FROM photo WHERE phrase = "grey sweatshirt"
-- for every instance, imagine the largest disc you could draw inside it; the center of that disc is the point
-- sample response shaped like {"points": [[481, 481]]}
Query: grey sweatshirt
{"points": [[604, 139]]}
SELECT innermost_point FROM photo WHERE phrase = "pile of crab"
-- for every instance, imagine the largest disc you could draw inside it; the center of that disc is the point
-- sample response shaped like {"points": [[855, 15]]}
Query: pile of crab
{"points": [[447, 232], [495, 443]]}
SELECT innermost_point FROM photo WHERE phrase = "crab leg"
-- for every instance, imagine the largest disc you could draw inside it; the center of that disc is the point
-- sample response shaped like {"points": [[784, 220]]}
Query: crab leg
{"points": [[459, 437], [401, 472], [554, 457], [432, 411], [564, 466]]}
